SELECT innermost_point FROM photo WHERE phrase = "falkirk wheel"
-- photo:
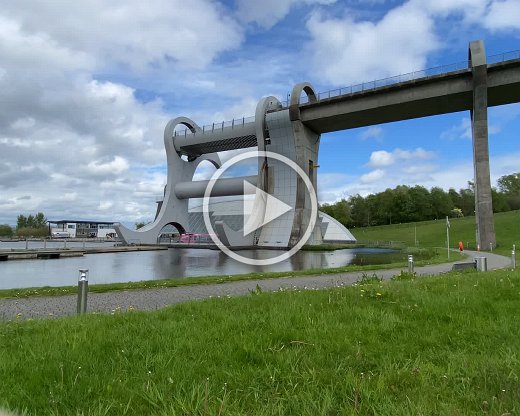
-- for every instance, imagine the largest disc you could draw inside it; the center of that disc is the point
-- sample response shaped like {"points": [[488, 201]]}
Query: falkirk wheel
{"points": [[276, 129]]}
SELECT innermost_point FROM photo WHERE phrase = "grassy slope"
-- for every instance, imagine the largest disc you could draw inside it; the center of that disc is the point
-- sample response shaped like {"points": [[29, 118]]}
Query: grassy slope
{"points": [[433, 233], [442, 345]]}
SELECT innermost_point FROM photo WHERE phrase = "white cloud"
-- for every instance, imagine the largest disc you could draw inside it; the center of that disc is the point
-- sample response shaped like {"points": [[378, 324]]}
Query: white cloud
{"points": [[460, 131], [268, 13], [114, 167], [503, 15], [23, 123], [105, 205], [455, 175], [382, 158], [420, 169], [132, 32], [373, 132], [469, 10], [463, 130], [418, 153], [345, 51], [374, 176]]}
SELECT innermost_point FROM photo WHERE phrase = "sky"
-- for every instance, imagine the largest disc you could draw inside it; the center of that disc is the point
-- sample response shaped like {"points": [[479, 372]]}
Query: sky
{"points": [[87, 87]]}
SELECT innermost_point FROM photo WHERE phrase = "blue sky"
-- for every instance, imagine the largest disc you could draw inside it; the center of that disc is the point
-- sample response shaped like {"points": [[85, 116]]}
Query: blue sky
{"points": [[86, 89]]}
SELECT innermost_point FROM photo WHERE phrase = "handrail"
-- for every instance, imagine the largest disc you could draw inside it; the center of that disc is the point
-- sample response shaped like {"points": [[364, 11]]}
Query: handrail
{"points": [[210, 128], [411, 76], [365, 86]]}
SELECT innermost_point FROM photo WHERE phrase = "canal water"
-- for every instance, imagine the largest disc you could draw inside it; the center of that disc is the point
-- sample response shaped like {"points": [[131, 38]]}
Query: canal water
{"points": [[175, 263]]}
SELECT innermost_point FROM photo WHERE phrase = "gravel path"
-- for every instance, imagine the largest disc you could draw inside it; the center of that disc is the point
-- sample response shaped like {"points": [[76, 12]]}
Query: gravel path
{"points": [[152, 299]]}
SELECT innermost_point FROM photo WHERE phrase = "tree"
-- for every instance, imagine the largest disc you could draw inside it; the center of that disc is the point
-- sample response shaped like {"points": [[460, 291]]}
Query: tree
{"points": [[21, 221], [406, 204], [31, 221], [403, 204], [500, 203], [455, 197], [32, 225], [467, 201], [40, 220], [340, 210], [6, 230], [442, 203], [384, 210], [509, 184], [139, 225], [421, 204], [359, 210]]}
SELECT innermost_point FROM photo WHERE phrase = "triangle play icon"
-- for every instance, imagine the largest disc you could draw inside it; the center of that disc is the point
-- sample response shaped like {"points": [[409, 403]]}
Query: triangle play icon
{"points": [[261, 210]]}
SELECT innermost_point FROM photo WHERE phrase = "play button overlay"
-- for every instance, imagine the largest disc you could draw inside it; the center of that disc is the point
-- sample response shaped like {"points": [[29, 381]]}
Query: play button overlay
{"points": [[261, 210], [256, 216]]}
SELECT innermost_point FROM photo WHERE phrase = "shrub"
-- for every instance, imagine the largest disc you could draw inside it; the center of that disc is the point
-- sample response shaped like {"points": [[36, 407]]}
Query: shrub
{"points": [[6, 230]]}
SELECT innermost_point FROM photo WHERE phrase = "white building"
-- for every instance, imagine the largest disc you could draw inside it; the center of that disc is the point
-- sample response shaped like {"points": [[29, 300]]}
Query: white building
{"points": [[81, 229]]}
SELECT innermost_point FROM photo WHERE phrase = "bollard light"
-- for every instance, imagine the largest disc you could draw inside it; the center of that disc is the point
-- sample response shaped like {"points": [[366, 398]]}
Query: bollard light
{"points": [[410, 264], [513, 258], [82, 291], [481, 263]]}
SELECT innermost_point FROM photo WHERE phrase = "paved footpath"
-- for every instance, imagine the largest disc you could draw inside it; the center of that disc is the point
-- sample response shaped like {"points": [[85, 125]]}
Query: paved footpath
{"points": [[152, 299]]}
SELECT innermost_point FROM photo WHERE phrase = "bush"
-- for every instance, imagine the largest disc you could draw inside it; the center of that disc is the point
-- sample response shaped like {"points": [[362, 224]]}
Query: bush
{"points": [[6, 230], [32, 232]]}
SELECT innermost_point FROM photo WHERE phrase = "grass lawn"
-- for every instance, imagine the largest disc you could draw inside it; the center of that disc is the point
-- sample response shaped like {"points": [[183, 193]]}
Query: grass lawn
{"points": [[433, 233], [445, 345]]}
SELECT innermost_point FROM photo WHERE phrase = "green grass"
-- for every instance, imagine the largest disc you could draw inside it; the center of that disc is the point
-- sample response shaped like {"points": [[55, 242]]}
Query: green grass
{"points": [[432, 256], [431, 346], [340, 246], [433, 233]]}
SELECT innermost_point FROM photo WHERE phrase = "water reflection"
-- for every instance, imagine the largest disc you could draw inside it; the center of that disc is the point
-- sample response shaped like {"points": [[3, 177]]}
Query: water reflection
{"points": [[172, 263]]}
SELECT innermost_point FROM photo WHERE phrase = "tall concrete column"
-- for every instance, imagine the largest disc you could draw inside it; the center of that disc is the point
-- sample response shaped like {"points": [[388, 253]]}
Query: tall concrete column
{"points": [[479, 125]]}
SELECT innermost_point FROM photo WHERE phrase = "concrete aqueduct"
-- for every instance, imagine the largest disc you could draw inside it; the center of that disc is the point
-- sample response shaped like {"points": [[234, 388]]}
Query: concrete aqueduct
{"points": [[294, 131]]}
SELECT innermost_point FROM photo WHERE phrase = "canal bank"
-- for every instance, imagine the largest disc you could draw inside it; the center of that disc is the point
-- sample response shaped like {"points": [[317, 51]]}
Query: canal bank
{"points": [[156, 298], [57, 253]]}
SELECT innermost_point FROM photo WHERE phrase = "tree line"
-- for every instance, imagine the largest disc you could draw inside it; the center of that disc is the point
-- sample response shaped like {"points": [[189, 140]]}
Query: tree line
{"points": [[412, 204], [27, 226]]}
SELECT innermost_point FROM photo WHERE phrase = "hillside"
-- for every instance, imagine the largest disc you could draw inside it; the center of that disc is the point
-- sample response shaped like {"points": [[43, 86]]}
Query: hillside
{"points": [[433, 233]]}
